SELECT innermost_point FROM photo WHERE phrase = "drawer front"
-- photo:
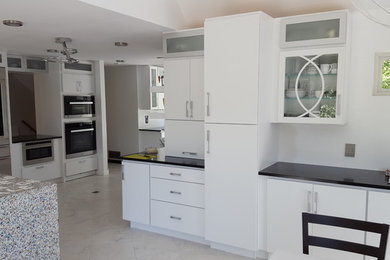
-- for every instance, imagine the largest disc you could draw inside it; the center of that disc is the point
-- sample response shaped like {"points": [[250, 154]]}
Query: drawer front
{"points": [[180, 218], [78, 83], [186, 193], [177, 174], [80, 166], [41, 172]]}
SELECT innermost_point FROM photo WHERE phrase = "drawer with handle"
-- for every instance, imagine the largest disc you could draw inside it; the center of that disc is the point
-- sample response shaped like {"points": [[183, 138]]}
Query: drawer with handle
{"points": [[41, 172], [180, 218], [186, 193], [80, 165], [177, 173]]}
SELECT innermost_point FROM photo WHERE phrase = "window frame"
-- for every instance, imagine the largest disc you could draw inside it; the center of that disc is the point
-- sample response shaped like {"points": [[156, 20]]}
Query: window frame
{"points": [[380, 57]]}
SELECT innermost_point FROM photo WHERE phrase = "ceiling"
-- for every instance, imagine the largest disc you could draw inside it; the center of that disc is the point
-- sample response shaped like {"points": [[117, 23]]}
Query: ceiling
{"points": [[93, 30], [94, 25]]}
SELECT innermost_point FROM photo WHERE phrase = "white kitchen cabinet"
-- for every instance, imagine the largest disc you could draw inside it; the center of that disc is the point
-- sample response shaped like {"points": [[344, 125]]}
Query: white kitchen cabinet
{"points": [[286, 200], [80, 165], [340, 202], [84, 67], [16, 63], [35, 65], [135, 192], [379, 212], [231, 171], [184, 88], [177, 174], [42, 171], [313, 29], [183, 43], [311, 86], [184, 139], [150, 87], [232, 69], [78, 83]]}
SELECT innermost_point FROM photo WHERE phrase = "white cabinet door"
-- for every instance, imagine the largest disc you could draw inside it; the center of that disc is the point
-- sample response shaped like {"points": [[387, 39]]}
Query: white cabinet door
{"points": [[184, 139], [231, 172], [286, 200], [378, 211], [340, 202], [177, 88], [78, 83], [135, 192], [3, 59], [232, 69], [197, 89]]}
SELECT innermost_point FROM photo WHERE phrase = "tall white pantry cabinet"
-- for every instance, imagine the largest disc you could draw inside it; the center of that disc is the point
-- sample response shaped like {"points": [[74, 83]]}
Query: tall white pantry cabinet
{"points": [[236, 76]]}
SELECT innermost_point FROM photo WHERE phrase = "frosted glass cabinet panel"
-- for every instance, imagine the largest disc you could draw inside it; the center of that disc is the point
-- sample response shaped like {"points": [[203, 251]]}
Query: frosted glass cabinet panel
{"points": [[311, 85], [183, 43], [314, 29]]}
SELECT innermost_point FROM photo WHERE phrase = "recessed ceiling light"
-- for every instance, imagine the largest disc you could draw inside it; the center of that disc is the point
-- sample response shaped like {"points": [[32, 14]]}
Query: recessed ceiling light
{"points": [[13, 23], [52, 51], [119, 61], [121, 44]]}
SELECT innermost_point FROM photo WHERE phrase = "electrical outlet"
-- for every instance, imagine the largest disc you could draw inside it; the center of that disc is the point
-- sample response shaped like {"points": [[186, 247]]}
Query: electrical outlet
{"points": [[350, 150]]}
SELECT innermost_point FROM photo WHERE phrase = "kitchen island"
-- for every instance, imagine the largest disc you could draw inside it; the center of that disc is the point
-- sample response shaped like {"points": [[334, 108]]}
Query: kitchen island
{"points": [[28, 219]]}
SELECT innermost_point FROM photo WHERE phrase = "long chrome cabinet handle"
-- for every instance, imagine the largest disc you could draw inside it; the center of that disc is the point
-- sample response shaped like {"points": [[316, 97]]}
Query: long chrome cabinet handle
{"points": [[175, 192], [123, 174], [208, 140], [192, 108], [190, 153], [309, 201], [315, 202], [208, 104], [175, 174], [186, 108], [176, 218]]}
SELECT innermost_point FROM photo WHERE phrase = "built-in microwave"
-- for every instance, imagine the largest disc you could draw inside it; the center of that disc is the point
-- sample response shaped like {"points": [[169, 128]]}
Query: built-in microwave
{"points": [[80, 139], [37, 152], [79, 106]]}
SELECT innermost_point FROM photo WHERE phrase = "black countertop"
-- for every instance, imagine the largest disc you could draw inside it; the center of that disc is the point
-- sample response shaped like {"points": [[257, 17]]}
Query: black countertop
{"points": [[152, 129], [31, 138], [170, 160], [338, 175]]}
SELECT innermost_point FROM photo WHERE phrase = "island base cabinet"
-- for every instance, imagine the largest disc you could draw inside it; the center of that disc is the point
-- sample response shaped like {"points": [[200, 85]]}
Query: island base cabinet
{"points": [[378, 211], [231, 172], [176, 217], [135, 192]]}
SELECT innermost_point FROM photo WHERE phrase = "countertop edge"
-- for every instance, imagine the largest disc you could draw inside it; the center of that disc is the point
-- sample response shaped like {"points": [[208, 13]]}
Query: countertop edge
{"points": [[160, 162], [35, 139]]}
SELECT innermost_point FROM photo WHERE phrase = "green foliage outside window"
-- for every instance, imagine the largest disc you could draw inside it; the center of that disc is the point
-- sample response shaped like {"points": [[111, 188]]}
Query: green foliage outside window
{"points": [[386, 74]]}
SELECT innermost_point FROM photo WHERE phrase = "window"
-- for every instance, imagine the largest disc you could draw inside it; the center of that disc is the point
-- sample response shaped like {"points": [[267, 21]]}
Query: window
{"points": [[382, 74]]}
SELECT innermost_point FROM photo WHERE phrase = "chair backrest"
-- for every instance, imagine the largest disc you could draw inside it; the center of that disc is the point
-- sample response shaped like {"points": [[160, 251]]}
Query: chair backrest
{"points": [[378, 252]]}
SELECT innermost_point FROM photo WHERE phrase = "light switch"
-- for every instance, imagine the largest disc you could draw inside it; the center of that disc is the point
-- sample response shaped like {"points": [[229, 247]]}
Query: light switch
{"points": [[350, 150]]}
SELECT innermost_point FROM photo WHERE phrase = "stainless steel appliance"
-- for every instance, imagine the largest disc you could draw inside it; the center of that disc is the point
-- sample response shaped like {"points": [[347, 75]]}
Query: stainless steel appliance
{"points": [[80, 139], [5, 159], [79, 106], [37, 152]]}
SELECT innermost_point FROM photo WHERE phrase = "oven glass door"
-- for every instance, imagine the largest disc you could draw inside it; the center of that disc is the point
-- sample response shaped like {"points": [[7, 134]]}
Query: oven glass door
{"points": [[79, 106], [80, 139], [38, 153]]}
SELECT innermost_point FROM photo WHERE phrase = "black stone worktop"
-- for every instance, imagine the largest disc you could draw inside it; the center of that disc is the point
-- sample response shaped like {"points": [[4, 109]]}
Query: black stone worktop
{"points": [[161, 158], [152, 129], [337, 175], [32, 138]]}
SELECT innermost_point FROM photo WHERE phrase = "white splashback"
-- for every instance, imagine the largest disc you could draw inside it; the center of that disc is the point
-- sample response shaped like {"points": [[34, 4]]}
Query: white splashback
{"points": [[153, 122], [368, 116]]}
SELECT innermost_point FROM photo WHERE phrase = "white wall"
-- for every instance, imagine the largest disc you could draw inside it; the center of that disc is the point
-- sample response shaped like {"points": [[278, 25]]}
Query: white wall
{"points": [[368, 116], [122, 109]]}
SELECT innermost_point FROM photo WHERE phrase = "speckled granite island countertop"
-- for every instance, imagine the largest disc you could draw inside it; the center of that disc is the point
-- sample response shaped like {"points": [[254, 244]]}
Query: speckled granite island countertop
{"points": [[28, 219]]}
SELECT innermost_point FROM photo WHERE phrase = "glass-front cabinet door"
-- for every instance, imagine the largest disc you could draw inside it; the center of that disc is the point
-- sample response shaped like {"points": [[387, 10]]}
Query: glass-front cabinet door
{"points": [[311, 86]]}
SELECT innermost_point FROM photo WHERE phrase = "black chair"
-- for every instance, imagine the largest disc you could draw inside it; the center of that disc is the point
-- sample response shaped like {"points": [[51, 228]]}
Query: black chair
{"points": [[378, 252]]}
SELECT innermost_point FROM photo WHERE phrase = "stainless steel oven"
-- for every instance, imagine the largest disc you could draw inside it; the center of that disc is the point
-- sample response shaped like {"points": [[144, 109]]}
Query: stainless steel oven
{"points": [[37, 152], [80, 139], [79, 106]]}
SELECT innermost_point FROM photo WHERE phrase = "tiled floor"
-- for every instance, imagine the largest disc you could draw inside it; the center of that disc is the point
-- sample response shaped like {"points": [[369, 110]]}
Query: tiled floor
{"points": [[91, 226]]}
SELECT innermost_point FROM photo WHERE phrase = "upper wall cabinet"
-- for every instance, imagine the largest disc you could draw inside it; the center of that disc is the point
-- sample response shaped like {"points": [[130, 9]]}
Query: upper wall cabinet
{"points": [[80, 67], [313, 29], [3, 59], [183, 43], [26, 64]]}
